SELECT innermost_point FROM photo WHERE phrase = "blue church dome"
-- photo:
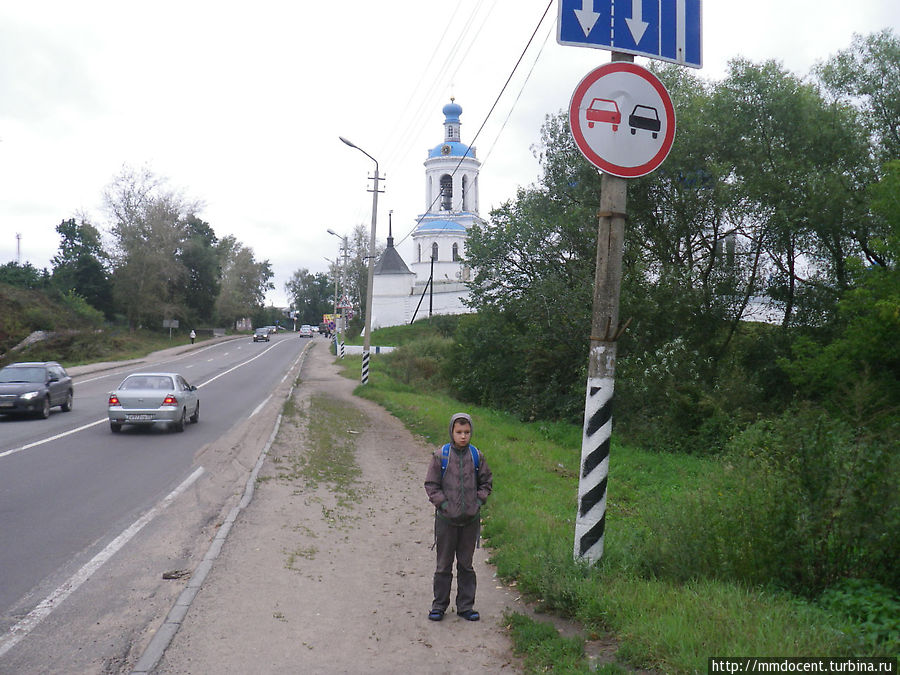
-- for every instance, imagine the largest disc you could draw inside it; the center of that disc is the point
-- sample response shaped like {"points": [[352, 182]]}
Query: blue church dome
{"points": [[451, 149], [452, 111]]}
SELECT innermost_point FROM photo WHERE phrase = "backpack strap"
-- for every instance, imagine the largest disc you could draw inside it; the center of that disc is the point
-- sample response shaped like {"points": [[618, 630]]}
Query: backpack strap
{"points": [[445, 457]]}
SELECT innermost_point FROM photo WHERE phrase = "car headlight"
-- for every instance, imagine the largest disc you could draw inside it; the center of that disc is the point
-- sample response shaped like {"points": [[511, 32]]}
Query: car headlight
{"points": [[30, 395]]}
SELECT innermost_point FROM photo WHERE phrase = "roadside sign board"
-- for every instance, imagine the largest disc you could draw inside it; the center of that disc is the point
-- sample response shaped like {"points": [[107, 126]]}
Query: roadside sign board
{"points": [[622, 119], [668, 30]]}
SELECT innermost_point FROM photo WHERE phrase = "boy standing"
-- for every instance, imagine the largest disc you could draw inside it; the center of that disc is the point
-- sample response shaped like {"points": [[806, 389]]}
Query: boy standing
{"points": [[458, 483]]}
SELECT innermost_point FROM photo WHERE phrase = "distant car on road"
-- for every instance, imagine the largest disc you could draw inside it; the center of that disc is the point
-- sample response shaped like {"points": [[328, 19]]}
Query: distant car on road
{"points": [[644, 117], [261, 335], [151, 398], [306, 331], [604, 110], [34, 388]]}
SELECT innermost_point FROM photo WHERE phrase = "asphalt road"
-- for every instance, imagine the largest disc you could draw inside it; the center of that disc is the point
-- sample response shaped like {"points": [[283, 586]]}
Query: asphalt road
{"points": [[69, 487]]}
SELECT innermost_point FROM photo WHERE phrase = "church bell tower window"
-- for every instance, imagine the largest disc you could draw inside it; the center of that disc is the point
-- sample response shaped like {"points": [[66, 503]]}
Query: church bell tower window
{"points": [[434, 251], [455, 252], [446, 192]]}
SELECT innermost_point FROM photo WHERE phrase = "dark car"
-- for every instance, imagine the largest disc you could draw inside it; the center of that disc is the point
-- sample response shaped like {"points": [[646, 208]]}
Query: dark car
{"points": [[34, 388], [261, 334]]}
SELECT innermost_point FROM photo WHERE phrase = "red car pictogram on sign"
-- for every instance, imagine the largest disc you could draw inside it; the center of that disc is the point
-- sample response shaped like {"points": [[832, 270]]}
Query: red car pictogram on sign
{"points": [[604, 110]]}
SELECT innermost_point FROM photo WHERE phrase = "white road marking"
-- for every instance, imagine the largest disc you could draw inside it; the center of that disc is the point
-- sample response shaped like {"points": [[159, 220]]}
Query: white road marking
{"points": [[260, 406], [52, 438], [119, 368], [56, 598]]}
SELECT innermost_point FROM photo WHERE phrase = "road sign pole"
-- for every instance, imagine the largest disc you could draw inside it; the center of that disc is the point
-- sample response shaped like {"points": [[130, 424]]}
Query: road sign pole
{"points": [[590, 521]]}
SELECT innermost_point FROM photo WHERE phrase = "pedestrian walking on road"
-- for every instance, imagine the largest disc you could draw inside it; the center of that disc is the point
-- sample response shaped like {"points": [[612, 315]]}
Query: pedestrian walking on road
{"points": [[193, 336], [458, 483]]}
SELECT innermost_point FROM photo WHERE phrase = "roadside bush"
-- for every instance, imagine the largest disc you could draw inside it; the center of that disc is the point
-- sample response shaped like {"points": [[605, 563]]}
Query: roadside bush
{"points": [[802, 502], [663, 402], [875, 609], [420, 361], [40, 318], [82, 309]]}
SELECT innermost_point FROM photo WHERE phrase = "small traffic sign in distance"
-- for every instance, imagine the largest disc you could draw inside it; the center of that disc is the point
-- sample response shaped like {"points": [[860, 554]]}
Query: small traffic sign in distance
{"points": [[622, 119]]}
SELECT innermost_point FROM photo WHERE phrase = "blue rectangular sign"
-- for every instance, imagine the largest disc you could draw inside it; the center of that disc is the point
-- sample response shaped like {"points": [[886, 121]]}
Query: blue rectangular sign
{"points": [[668, 30]]}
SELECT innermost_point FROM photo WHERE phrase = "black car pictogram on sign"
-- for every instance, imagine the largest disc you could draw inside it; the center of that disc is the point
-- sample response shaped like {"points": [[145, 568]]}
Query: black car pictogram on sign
{"points": [[644, 117]]}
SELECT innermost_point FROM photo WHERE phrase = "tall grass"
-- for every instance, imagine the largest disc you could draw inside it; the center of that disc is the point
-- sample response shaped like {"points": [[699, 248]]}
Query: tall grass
{"points": [[662, 622]]}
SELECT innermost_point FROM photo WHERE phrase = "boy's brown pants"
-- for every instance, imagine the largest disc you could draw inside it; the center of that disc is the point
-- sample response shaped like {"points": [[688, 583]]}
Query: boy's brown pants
{"points": [[454, 541]]}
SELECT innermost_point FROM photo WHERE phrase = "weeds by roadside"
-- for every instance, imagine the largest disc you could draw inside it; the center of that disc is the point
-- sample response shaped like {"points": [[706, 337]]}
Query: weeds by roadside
{"points": [[325, 457]]}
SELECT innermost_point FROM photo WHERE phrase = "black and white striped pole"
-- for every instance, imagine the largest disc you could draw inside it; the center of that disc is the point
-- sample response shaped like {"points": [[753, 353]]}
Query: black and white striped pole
{"points": [[590, 521], [364, 376]]}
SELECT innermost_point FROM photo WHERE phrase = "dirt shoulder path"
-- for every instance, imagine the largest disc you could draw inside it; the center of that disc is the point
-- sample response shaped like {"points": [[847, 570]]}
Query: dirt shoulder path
{"points": [[329, 568]]}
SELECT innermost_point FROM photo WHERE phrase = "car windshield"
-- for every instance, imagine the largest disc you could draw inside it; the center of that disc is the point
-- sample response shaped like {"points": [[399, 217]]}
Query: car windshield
{"points": [[160, 382], [261, 331], [9, 375]]}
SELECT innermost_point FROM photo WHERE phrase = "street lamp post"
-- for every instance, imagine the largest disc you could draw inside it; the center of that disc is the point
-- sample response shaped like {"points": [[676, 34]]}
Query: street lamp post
{"points": [[364, 378], [342, 327]]}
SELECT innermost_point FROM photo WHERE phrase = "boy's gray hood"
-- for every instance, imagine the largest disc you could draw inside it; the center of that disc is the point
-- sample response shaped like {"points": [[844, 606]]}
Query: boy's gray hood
{"points": [[455, 418]]}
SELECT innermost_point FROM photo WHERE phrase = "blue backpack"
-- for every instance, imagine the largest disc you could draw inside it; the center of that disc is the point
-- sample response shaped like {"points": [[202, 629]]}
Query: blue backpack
{"points": [[445, 457]]}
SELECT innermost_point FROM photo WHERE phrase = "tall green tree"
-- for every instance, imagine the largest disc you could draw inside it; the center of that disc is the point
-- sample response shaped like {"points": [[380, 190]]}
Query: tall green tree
{"points": [[356, 275], [149, 232], [24, 276], [81, 264], [867, 74], [311, 296], [867, 77], [800, 164], [244, 281], [200, 257]]}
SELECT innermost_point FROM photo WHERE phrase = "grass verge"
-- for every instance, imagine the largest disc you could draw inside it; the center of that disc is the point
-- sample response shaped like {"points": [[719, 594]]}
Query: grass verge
{"points": [[529, 523]]}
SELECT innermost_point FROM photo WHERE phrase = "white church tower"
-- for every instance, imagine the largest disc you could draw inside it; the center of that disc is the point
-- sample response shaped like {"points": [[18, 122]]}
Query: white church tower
{"points": [[439, 240]]}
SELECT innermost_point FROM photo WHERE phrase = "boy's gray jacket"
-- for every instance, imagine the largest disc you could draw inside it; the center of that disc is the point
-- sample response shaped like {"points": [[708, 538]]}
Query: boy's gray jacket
{"points": [[459, 495]]}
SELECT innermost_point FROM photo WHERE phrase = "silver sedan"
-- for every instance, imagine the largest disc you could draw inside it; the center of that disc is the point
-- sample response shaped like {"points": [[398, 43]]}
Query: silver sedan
{"points": [[151, 398]]}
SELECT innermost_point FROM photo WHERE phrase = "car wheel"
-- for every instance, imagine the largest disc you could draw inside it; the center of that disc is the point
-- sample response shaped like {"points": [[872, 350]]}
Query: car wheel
{"points": [[179, 425], [70, 399], [45, 409], [196, 416], [115, 427]]}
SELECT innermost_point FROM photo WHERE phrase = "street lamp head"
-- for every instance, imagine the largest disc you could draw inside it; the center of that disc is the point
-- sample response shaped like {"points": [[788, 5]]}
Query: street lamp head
{"points": [[346, 142], [330, 231]]}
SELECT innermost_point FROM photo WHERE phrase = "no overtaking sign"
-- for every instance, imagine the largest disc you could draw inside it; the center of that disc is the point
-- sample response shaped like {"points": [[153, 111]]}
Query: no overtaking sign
{"points": [[622, 119]]}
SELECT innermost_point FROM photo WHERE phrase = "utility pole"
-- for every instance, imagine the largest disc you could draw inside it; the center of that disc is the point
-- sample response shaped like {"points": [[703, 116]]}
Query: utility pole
{"points": [[364, 376], [431, 287], [608, 98], [590, 521]]}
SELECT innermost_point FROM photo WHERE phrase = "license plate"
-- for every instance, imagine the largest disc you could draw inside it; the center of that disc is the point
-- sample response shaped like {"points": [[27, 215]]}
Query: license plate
{"points": [[6, 404], [137, 418]]}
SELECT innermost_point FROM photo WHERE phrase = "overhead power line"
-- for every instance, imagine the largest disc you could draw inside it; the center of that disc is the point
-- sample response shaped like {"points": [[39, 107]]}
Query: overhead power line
{"points": [[487, 117]]}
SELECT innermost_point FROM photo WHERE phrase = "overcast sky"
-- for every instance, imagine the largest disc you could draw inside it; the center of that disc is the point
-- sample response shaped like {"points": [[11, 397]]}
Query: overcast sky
{"points": [[240, 105]]}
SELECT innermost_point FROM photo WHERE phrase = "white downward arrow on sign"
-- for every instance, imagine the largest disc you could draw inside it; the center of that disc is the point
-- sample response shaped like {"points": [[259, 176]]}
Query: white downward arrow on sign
{"points": [[636, 23], [586, 16]]}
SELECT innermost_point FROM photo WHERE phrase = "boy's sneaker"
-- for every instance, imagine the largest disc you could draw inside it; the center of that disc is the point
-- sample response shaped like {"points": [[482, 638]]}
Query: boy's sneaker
{"points": [[435, 615], [469, 615]]}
